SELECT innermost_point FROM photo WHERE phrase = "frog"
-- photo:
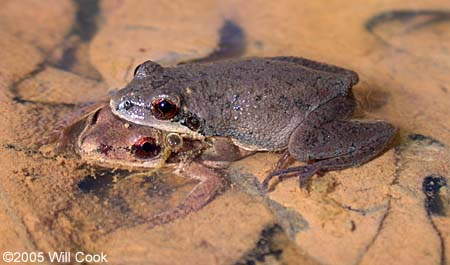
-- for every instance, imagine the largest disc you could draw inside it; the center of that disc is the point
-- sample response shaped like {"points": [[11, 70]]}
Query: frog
{"points": [[290, 104], [101, 138]]}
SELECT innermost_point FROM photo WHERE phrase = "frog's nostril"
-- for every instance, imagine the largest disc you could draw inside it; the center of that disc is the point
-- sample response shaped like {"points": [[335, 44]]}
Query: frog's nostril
{"points": [[125, 105]]}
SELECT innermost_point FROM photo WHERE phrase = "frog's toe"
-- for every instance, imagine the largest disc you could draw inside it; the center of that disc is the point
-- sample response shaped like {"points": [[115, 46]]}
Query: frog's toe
{"points": [[266, 181], [281, 173], [306, 173]]}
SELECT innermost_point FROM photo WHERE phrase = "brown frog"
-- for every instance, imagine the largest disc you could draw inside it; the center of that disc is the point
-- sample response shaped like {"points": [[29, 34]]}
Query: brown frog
{"points": [[262, 104], [107, 140]]}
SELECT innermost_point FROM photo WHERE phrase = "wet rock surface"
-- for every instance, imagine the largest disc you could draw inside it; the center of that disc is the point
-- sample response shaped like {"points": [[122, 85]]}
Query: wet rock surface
{"points": [[392, 210]]}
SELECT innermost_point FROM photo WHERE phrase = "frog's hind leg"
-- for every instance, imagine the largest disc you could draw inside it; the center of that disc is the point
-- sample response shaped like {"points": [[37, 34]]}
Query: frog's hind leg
{"points": [[337, 108], [211, 183], [334, 146]]}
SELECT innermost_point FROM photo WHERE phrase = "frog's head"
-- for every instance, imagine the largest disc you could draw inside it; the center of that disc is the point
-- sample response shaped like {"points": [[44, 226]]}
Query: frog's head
{"points": [[150, 100], [107, 139]]}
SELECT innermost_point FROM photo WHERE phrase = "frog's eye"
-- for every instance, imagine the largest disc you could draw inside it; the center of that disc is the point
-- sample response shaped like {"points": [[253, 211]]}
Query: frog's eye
{"points": [[164, 108], [145, 147]]}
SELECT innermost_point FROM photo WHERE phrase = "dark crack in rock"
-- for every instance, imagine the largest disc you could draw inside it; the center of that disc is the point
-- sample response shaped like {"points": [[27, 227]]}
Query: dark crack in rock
{"points": [[436, 202], [265, 248], [425, 139]]}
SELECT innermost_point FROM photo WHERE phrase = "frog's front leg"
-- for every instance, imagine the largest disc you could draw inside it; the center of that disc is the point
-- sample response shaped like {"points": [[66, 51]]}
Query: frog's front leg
{"points": [[211, 183], [335, 145], [61, 130]]}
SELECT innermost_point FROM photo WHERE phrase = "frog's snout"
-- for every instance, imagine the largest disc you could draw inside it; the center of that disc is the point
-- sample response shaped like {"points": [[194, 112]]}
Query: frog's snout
{"points": [[120, 106], [119, 100]]}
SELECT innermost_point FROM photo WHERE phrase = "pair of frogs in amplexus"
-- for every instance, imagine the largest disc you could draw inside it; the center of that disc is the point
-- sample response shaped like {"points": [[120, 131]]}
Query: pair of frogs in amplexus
{"points": [[197, 118]]}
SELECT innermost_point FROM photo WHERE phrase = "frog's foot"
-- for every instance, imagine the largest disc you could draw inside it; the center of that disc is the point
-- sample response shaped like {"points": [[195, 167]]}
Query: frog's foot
{"points": [[282, 163], [211, 183], [304, 173]]}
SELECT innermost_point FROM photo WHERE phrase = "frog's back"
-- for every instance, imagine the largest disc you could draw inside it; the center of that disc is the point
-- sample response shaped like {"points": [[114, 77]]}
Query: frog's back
{"points": [[257, 101]]}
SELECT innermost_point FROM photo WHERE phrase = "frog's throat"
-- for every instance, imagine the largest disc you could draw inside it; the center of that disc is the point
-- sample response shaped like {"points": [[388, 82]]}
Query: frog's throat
{"points": [[165, 155], [162, 162]]}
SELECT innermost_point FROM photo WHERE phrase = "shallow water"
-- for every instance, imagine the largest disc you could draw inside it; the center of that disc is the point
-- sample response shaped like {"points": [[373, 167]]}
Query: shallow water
{"points": [[393, 209]]}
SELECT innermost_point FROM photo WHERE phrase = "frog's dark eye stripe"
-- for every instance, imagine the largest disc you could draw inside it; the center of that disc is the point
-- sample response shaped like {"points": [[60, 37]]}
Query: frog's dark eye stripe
{"points": [[145, 148], [164, 109]]}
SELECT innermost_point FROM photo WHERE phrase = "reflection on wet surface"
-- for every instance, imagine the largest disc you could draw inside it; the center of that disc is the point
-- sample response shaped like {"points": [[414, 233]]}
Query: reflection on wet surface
{"points": [[407, 21], [134, 199]]}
